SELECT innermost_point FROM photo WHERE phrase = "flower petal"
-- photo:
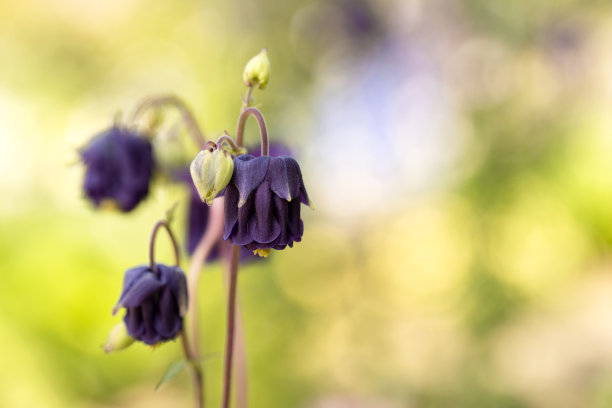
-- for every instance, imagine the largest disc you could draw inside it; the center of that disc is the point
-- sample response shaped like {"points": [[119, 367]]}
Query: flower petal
{"points": [[242, 236], [283, 174], [230, 210], [249, 172], [263, 227], [167, 319], [295, 224], [177, 283], [143, 287], [303, 194]]}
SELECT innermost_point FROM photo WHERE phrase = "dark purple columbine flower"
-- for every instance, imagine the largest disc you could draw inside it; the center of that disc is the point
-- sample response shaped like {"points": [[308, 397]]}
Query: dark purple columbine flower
{"points": [[155, 302], [262, 203], [119, 168], [197, 216]]}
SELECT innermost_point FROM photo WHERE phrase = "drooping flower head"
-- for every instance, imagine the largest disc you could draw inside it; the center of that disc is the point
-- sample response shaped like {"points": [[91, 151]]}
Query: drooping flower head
{"points": [[262, 203], [119, 166], [198, 211], [155, 302]]}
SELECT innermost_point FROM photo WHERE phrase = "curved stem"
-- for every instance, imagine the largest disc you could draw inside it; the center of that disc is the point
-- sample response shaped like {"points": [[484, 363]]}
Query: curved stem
{"points": [[231, 311], [262, 128], [196, 372], [152, 243], [187, 115], [227, 139]]}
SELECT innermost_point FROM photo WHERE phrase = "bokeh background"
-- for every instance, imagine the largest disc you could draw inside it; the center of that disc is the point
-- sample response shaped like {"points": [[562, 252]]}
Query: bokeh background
{"points": [[458, 154]]}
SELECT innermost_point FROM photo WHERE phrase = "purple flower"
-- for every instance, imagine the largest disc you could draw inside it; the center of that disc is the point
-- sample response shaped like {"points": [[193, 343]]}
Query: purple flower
{"points": [[156, 302], [119, 166], [262, 202]]}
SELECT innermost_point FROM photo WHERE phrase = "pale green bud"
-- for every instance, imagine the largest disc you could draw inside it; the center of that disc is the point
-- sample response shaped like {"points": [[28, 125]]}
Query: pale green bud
{"points": [[257, 70], [211, 171], [118, 339]]}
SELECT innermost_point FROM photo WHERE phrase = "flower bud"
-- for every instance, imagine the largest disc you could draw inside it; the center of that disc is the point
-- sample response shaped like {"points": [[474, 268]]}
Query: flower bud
{"points": [[118, 339], [257, 70], [211, 171]]}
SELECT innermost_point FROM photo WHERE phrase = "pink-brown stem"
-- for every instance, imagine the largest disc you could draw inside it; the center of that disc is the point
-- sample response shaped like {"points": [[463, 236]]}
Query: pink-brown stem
{"points": [[206, 244], [186, 114], [263, 130], [231, 311]]}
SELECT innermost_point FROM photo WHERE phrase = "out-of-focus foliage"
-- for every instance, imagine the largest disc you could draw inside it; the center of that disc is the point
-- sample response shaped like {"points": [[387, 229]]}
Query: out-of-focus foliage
{"points": [[458, 154]]}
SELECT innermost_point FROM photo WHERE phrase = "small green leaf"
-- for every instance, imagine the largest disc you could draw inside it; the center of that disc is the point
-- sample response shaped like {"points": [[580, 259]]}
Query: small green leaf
{"points": [[173, 370]]}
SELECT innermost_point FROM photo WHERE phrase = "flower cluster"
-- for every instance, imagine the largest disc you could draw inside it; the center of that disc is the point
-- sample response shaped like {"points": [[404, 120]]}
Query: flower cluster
{"points": [[260, 211]]}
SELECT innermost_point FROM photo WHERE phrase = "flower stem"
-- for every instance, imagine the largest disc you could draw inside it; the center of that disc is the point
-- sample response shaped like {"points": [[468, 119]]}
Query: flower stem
{"points": [[158, 225], [206, 244], [196, 372], [262, 128], [247, 98], [240, 369], [231, 313], [187, 115]]}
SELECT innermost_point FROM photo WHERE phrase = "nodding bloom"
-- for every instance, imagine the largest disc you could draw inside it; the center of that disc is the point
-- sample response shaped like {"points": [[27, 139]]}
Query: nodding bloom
{"points": [[155, 302], [119, 167], [197, 215], [262, 203]]}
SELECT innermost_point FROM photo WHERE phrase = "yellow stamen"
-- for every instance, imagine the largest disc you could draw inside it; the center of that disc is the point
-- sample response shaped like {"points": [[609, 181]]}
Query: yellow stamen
{"points": [[262, 252], [108, 204]]}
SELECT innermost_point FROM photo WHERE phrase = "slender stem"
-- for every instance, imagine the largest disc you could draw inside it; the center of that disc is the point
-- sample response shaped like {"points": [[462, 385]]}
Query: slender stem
{"points": [[247, 98], [231, 312], [192, 358], [240, 376], [206, 244], [187, 115], [156, 228], [262, 128], [196, 372]]}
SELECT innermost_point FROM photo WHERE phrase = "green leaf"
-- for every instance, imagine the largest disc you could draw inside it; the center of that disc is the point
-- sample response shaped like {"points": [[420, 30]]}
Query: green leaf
{"points": [[173, 370]]}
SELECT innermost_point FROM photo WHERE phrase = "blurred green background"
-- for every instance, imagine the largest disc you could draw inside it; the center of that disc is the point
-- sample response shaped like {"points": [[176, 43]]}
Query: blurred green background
{"points": [[458, 154]]}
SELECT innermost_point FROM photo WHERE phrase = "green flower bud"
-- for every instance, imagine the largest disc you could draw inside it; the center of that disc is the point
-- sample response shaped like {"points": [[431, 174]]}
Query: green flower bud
{"points": [[118, 339], [211, 171], [257, 70]]}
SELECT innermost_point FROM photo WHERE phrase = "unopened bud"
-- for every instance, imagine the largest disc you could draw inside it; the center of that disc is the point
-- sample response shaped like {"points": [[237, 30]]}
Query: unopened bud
{"points": [[118, 339], [211, 172], [257, 70]]}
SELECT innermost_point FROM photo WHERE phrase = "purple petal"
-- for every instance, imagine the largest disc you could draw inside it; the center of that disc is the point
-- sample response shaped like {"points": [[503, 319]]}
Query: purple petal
{"points": [[249, 172], [146, 285], [242, 236], [177, 283], [263, 228], [295, 224], [133, 322], [167, 320], [303, 194], [282, 212], [230, 210], [149, 335], [283, 173]]}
